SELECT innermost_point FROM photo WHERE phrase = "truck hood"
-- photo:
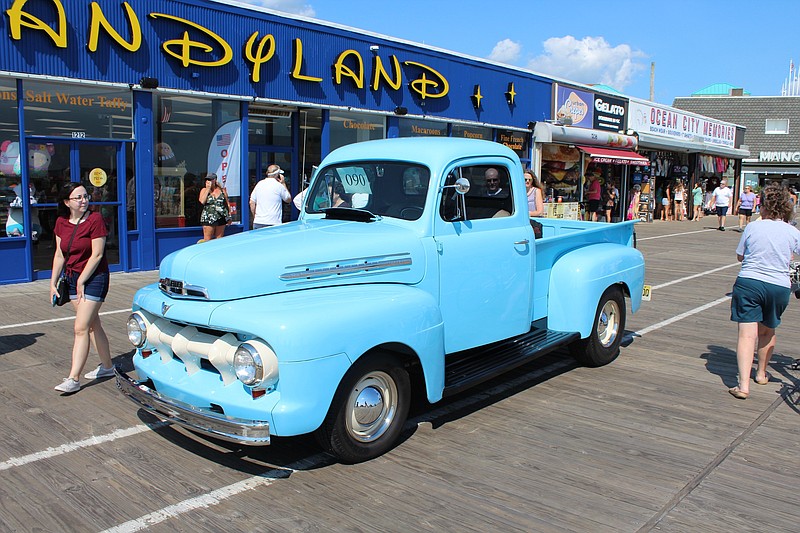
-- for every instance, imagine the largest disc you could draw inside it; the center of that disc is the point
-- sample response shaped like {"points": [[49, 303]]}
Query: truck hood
{"points": [[298, 255]]}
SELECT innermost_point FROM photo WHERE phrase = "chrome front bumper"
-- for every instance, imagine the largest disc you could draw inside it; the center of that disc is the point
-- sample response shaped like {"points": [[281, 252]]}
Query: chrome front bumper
{"points": [[204, 421]]}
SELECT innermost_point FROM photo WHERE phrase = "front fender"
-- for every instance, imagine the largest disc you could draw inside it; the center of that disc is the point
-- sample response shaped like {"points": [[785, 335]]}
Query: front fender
{"points": [[339, 324], [579, 278]]}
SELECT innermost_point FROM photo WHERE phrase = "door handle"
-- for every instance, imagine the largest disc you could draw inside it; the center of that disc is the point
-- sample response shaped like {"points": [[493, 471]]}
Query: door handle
{"points": [[523, 241]]}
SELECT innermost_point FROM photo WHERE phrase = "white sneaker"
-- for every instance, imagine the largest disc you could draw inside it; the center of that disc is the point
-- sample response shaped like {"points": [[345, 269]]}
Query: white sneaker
{"points": [[68, 385], [100, 372]]}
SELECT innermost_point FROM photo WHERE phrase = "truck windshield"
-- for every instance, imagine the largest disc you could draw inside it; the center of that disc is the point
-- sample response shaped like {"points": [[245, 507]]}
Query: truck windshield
{"points": [[384, 188]]}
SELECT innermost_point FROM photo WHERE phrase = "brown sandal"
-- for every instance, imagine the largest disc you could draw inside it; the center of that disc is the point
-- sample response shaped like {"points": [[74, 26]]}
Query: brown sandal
{"points": [[736, 393]]}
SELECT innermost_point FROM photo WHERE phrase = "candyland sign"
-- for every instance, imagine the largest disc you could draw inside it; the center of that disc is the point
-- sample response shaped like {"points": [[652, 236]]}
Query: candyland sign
{"points": [[669, 122]]}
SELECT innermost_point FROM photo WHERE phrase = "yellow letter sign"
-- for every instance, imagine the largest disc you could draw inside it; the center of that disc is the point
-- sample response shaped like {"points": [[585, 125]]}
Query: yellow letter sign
{"points": [[185, 45], [341, 70], [18, 18], [259, 57], [99, 19]]}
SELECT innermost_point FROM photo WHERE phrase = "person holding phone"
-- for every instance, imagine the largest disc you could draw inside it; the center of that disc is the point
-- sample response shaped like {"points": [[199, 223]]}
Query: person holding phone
{"points": [[80, 249], [268, 197], [216, 212]]}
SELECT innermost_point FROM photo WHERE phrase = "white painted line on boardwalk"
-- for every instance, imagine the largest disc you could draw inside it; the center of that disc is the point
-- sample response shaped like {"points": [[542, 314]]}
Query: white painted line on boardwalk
{"points": [[698, 275], [62, 319], [216, 496], [640, 239], [674, 319], [72, 446]]}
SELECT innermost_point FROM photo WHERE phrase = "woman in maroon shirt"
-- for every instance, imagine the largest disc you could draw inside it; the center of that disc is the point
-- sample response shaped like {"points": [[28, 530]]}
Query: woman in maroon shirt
{"points": [[87, 275]]}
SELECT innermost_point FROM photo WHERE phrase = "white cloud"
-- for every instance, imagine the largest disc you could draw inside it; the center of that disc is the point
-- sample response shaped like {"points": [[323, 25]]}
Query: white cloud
{"points": [[298, 7], [506, 51], [589, 60]]}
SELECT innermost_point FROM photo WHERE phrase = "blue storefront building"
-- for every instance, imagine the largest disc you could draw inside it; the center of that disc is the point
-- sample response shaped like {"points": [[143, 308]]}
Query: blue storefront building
{"points": [[138, 99]]}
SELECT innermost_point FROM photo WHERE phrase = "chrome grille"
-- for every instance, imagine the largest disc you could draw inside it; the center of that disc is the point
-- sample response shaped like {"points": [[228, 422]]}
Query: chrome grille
{"points": [[175, 287]]}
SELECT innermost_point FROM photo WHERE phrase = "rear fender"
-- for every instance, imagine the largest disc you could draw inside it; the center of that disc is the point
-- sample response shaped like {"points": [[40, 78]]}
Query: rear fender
{"points": [[579, 278]]}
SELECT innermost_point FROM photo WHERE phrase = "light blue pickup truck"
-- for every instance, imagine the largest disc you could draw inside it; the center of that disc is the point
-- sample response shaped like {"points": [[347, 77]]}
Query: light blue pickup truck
{"points": [[413, 271]]}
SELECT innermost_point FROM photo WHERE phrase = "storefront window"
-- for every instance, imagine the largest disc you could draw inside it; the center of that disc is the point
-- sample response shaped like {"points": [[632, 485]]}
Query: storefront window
{"points": [[77, 111], [191, 134], [9, 152], [310, 143], [410, 127], [269, 126], [471, 132], [348, 128], [561, 172]]}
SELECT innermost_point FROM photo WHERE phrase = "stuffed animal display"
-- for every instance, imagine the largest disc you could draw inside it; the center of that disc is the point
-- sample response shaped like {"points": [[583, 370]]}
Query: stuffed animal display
{"points": [[9, 158], [14, 226], [39, 157]]}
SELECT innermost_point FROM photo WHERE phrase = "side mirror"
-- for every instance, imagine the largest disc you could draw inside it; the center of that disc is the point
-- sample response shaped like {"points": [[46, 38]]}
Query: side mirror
{"points": [[462, 185]]}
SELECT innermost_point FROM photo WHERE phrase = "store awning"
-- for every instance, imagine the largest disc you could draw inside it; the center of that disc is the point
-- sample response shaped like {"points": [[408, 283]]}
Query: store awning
{"points": [[658, 142], [616, 157], [761, 169]]}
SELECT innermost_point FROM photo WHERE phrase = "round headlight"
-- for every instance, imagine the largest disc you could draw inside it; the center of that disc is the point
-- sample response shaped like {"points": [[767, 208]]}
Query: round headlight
{"points": [[137, 330], [248, 366]]}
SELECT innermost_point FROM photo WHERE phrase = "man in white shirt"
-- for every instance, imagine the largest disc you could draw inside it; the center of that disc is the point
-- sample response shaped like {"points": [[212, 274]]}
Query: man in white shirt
{"points": [[721, 201], [268, 197]]}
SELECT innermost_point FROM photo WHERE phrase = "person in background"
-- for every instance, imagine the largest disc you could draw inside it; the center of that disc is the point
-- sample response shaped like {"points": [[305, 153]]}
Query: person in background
{"points": [[697, 201], [761, 291], [80, 245], [594, 196], [678, 197], [745, 205], [633, 203], [533, 189], [721, 201], [793, 196], [666, 203], [268, 197], [216, 213], [609, 200]]}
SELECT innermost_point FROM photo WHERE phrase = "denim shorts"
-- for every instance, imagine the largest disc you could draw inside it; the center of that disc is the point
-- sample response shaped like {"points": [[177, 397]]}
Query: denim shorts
{"points": [[722, 210], [96, 287], [757, 301]]}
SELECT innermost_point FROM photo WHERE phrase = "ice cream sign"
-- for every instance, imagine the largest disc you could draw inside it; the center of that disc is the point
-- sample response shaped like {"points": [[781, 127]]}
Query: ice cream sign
{"points": [[574, 107]]}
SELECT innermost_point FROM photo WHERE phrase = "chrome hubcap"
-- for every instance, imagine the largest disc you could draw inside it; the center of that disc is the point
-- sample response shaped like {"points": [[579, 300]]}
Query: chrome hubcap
{"points": [[608, 323], [372, 407]]}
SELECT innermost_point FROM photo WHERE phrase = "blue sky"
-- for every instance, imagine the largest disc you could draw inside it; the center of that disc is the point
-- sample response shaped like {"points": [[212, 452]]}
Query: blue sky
{"points": [[693, 44]]}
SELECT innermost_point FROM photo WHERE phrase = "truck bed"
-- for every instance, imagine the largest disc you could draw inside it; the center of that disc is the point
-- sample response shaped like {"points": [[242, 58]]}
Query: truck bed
{"points": [[560, 236]]}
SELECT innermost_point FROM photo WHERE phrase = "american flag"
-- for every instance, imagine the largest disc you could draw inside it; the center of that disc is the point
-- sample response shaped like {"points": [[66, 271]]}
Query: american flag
{"points": [[224, 139]]}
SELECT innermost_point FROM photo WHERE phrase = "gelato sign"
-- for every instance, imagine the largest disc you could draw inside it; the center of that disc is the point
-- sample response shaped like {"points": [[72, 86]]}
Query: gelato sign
{"points": [[609, 113], [669, 122]]}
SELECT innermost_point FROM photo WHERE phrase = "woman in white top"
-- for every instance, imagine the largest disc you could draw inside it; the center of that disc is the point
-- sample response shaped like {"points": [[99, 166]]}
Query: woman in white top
{"points": [[534, 190], [678, 197], [762, 289]]}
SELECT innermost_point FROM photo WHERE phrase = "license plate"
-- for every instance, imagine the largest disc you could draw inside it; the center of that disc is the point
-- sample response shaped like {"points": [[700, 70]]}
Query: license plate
{"points": [[646, 293]]}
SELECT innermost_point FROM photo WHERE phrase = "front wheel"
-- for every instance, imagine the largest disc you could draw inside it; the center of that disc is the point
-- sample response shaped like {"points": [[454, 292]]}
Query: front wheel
{"points": [[368, 410], [602, 345]]}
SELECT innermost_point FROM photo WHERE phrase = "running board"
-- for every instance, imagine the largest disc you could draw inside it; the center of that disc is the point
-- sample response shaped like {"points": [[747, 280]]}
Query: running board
{"points": [[476, 365]]}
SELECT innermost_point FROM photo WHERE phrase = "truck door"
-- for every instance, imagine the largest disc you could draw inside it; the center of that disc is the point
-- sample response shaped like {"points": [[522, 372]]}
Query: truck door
{"points": [[485, 259]]}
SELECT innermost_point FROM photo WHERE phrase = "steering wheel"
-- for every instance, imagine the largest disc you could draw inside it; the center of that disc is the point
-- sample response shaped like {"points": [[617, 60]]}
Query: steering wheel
{"points": [[411, 213]]}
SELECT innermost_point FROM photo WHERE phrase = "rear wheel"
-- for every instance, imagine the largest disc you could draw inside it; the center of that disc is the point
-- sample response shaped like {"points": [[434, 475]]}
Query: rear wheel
{"points": [[602, 345], [368, 410]]}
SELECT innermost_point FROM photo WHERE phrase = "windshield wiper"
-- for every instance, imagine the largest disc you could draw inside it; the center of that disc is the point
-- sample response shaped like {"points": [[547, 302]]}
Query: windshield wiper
{"points": [[350, 213]]}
